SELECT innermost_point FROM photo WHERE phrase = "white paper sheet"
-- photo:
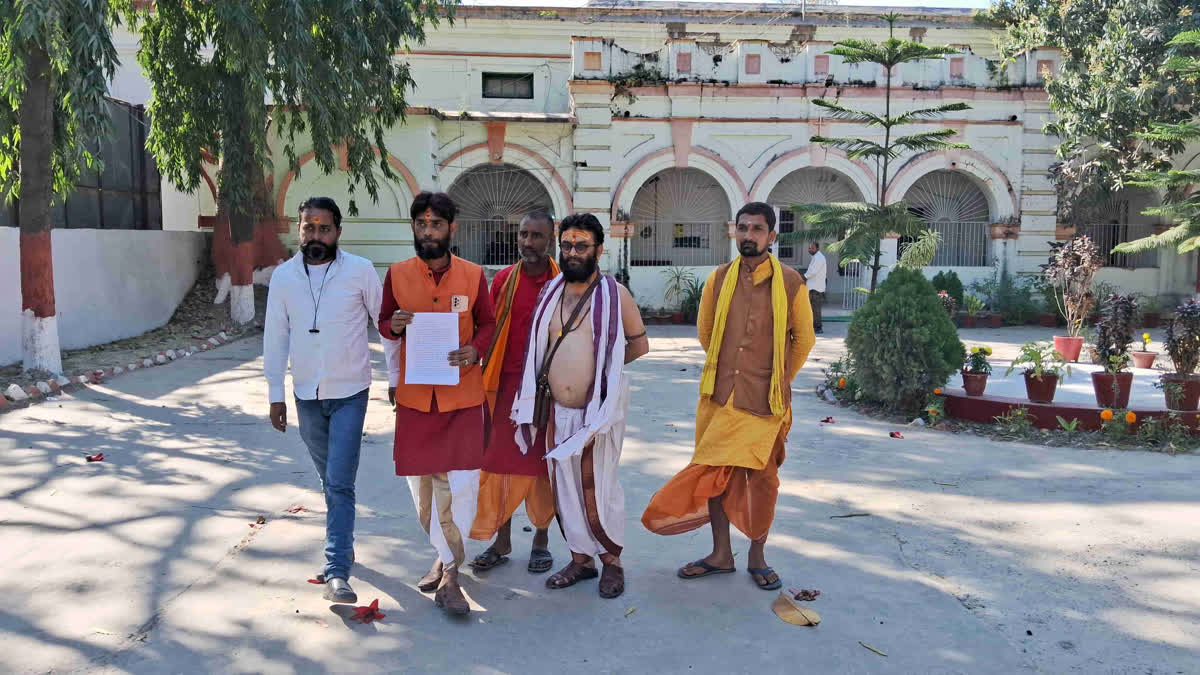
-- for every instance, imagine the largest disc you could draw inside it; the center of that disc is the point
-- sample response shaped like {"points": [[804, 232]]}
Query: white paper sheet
{"points": [[428, 340]]}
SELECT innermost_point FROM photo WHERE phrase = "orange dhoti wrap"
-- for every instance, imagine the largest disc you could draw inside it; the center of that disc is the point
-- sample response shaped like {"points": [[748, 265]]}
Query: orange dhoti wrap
{"points": [[727, 439], [501, 493]]}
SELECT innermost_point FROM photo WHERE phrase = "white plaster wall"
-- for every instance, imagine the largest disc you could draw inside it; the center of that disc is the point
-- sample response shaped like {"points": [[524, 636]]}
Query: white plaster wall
{"points": [[10, 295]]}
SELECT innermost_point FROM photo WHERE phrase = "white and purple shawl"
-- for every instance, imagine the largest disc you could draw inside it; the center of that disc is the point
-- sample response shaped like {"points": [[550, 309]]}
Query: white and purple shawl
{"points": [[608, 349]]}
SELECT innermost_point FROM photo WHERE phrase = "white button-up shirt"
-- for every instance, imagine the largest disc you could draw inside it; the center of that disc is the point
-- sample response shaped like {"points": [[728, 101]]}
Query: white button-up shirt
{"points": [[815, 276], [340, 299]]}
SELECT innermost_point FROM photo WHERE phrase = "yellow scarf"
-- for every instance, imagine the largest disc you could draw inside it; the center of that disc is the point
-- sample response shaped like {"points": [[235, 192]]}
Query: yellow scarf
{"points": [[779, 311], [494, 359]]}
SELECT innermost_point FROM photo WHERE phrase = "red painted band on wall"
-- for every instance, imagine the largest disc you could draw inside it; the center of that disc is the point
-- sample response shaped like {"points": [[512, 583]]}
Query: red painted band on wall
{"points": [[37, 274]]}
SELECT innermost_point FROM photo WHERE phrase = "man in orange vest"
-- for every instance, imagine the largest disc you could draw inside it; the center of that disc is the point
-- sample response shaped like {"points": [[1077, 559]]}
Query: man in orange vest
{"points": [[440, 429], [510, 476]]}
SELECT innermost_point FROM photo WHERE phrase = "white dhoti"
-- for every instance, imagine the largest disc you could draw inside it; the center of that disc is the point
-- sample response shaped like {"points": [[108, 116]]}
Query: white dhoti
{"points": [[587, 493], [452, 497]]}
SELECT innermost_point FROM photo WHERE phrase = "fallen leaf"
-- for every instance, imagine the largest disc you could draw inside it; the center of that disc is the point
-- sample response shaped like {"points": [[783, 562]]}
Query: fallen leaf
{"points": [[947, 484], [896, 434], [369, 613], [851, 515], [629, 611], [295, 509], [98, 457], [871, 648]]}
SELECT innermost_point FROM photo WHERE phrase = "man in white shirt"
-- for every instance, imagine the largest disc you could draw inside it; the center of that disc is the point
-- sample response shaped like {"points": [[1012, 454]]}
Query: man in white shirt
{"points": [[318, 309], [815, 278]]}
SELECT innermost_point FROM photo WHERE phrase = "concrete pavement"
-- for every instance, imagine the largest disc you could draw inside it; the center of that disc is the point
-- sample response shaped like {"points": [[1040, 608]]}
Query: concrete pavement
{"points": [[977, 556]]}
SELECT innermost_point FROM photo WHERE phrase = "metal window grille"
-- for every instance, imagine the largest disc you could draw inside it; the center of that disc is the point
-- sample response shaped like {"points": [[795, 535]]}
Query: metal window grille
{"points": [[492, 199], [810, 185], [680, 217], [508, 85], [1108, 235], [951, 204]]}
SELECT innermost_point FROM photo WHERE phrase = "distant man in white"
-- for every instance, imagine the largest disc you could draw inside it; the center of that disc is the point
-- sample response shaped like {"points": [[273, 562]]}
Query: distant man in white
{"points": [[814, 278], [318, 309]]}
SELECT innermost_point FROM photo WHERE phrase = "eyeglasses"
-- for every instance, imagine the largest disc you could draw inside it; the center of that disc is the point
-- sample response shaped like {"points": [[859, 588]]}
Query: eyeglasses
{"points": [[577, 246]]}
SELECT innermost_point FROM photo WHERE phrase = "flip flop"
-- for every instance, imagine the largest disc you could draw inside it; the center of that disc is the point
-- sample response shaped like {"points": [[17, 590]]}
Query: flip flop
{"points": [[487, 560], [765, 572], [708, 569], [540, 561]]}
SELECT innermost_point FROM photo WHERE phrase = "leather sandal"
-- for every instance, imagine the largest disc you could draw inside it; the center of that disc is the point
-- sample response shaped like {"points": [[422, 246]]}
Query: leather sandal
{"points": [[612, 581], [570, 575]]}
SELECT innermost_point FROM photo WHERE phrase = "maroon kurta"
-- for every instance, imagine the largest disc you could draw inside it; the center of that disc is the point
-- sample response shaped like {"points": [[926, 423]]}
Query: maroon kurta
{"points": [[503, 455], [435, 441]]}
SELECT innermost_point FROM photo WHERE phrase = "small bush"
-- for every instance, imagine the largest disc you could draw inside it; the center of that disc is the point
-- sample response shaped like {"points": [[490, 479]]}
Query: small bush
{"points": [[902, 343], [948, 281], [1183, 338]]}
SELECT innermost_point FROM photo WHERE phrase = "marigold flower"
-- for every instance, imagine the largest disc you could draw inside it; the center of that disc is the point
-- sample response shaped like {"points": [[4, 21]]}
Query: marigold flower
{"points": [[987, 350], [938, 391], [1130, 417], [1146, 337], [842, 383], [1106, 415]]}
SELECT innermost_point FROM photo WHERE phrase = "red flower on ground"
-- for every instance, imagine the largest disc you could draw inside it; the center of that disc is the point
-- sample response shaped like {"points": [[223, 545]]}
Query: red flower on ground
{"points": [[98, 457], [896, 434], [369, 613]]}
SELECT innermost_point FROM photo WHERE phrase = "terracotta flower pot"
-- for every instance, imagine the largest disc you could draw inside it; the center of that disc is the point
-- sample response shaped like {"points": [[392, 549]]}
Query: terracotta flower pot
{"points": [[974, 383], [970, 321], [1187, 400], [1069, 347], [1112, 390], [1143, 359], [1047, 321], [1040, 389], [995, 321], [1151, 319], [677, 317]]}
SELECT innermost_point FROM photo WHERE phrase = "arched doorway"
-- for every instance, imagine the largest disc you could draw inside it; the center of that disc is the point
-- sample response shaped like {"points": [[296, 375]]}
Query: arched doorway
{"points": [[952, 204], [1116, 219], [681, 218], [491, 200], [811, 185]]}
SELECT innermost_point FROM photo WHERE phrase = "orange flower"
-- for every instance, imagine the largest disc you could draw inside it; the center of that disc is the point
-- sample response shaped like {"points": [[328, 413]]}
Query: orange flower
{"points": [[1130, 417], [1106, 415], [938, 391], [842, 383]]}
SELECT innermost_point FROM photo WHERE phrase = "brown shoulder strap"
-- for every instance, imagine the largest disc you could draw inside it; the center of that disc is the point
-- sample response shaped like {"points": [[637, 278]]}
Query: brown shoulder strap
{"points": [[562, 332]]}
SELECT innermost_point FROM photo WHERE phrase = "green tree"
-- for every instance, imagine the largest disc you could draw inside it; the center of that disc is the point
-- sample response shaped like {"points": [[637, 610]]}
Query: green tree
{"points": [[1113, 84], [860, 227], [327, 68], [1181, 204], [56, 59]]}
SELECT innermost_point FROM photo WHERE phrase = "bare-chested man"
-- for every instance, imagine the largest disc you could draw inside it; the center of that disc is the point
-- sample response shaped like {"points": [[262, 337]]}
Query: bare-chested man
{"points": [[589, 327]]}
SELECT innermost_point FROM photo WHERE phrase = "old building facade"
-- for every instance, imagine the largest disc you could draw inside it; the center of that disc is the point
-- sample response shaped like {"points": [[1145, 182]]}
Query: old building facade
{"points": [[663, 118]]}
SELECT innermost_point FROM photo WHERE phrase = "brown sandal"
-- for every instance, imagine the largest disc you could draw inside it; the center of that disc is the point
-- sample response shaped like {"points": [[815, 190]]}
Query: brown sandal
{"points": [[429, 582], [570, 575], [452, 601], [612, 581]]}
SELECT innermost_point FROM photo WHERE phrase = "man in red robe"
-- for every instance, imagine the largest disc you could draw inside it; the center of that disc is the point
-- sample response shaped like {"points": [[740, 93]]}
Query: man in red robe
{"points": [[440, 429], [509, 476]]}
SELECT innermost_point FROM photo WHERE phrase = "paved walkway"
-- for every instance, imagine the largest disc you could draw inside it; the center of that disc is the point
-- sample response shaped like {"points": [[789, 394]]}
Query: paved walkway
{"points": [[977, 556]]}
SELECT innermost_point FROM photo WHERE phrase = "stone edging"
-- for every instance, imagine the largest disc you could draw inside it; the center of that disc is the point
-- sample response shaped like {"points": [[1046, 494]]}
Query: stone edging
{"points": [[15, 396]]}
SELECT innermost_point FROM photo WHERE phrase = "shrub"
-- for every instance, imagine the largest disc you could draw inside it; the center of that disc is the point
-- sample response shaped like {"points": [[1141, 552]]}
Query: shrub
{"points": [[902, 343], [1114, 334], [948, 281], [1183, 338]]}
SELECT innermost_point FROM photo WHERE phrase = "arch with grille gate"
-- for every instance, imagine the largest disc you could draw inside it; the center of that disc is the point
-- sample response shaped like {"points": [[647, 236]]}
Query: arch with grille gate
{"points": [[953, 204], [491, 200], [681, 218], [808, 185]]}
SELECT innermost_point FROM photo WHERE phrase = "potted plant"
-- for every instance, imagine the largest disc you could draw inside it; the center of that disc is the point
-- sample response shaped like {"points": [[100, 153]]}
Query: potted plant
{"points": [[1044, 366], [1072, 267], [995, 320], [691, 300], [1144, 358], [678, 279], [1114, 335], [974, 307], [1182, 343], [976, 370]]}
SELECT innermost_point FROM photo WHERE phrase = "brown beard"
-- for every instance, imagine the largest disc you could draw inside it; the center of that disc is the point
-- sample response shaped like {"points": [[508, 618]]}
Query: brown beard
{"points": [[574, 272]]}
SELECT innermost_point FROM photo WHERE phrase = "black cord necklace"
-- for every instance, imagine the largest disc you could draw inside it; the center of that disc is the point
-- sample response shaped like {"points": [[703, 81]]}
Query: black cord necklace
{"points": [[317, 297], [561, 321]]}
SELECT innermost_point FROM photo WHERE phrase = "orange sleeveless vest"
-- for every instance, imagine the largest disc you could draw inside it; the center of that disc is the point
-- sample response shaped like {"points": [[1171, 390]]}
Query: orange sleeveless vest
{"points": [[414, 290]]}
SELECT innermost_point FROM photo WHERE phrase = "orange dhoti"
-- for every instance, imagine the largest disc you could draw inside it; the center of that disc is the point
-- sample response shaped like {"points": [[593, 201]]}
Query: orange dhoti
{"points": [[501, 493], [738, 455]]}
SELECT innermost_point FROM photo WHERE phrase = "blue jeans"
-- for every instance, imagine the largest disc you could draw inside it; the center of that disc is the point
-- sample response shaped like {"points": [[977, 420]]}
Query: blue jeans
{"points": [[332, 430]]}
